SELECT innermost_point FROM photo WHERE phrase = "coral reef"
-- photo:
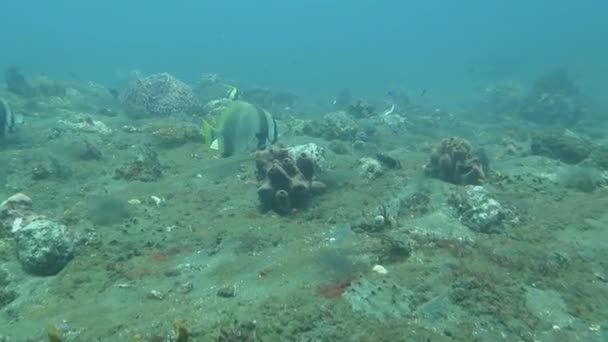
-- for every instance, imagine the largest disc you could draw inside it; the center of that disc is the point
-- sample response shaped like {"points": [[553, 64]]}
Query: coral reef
{"points": [[287, 182], [456, 161], [477, 210], [563, 145], [554, 99], [159, 95]]}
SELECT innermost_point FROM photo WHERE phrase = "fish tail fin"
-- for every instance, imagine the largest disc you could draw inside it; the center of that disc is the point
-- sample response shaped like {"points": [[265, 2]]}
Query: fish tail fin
{"points": [[209, 134]]}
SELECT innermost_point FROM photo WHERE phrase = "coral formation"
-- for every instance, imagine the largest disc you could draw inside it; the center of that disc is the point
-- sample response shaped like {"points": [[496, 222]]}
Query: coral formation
{"points": [[159, 95], [287, 182], [563, 145], [554, 99], [456, 161]]}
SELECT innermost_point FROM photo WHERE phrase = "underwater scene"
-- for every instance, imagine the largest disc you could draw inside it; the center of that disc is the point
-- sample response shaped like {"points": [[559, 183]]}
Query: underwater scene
{"points": [[244, 171]]}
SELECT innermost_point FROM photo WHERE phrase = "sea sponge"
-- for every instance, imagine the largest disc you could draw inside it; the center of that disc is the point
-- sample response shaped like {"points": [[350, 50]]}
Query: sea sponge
{"points": [[287, 184]]}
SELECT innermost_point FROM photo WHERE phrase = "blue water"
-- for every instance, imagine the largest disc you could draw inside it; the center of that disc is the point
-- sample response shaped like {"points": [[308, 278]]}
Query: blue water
{"points": [[313, 47]]}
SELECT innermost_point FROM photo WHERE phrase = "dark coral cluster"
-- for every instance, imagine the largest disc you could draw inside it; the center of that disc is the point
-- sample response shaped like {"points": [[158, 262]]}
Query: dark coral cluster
{"points": [[456, 161], [287, 182], [159, 95]]}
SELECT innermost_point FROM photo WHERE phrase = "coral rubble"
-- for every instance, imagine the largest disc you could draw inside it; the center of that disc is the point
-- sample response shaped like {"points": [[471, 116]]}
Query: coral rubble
{"points": [[287, 182], [456, 161]]}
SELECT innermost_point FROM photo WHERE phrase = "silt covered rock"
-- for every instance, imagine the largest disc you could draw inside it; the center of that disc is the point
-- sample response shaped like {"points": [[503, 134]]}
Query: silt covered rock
{"points": [[563, 145], [477, 210], [43, 247]]}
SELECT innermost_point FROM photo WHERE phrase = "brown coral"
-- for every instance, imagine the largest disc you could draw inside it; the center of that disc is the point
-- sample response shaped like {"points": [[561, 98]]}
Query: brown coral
{"points": [[457, 162], [287, 183]]}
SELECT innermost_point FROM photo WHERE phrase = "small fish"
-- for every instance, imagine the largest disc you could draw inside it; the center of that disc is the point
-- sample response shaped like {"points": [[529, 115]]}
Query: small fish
{"points": [[233, 93], [241, 127], [423, 92]]}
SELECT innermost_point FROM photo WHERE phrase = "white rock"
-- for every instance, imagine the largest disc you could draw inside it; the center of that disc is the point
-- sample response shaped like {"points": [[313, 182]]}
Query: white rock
{"points": [[379, 269], [316, 153]]}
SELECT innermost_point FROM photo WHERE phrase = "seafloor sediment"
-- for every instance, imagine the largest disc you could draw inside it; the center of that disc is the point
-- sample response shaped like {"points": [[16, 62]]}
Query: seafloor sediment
{"points": [[186, 242]]}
